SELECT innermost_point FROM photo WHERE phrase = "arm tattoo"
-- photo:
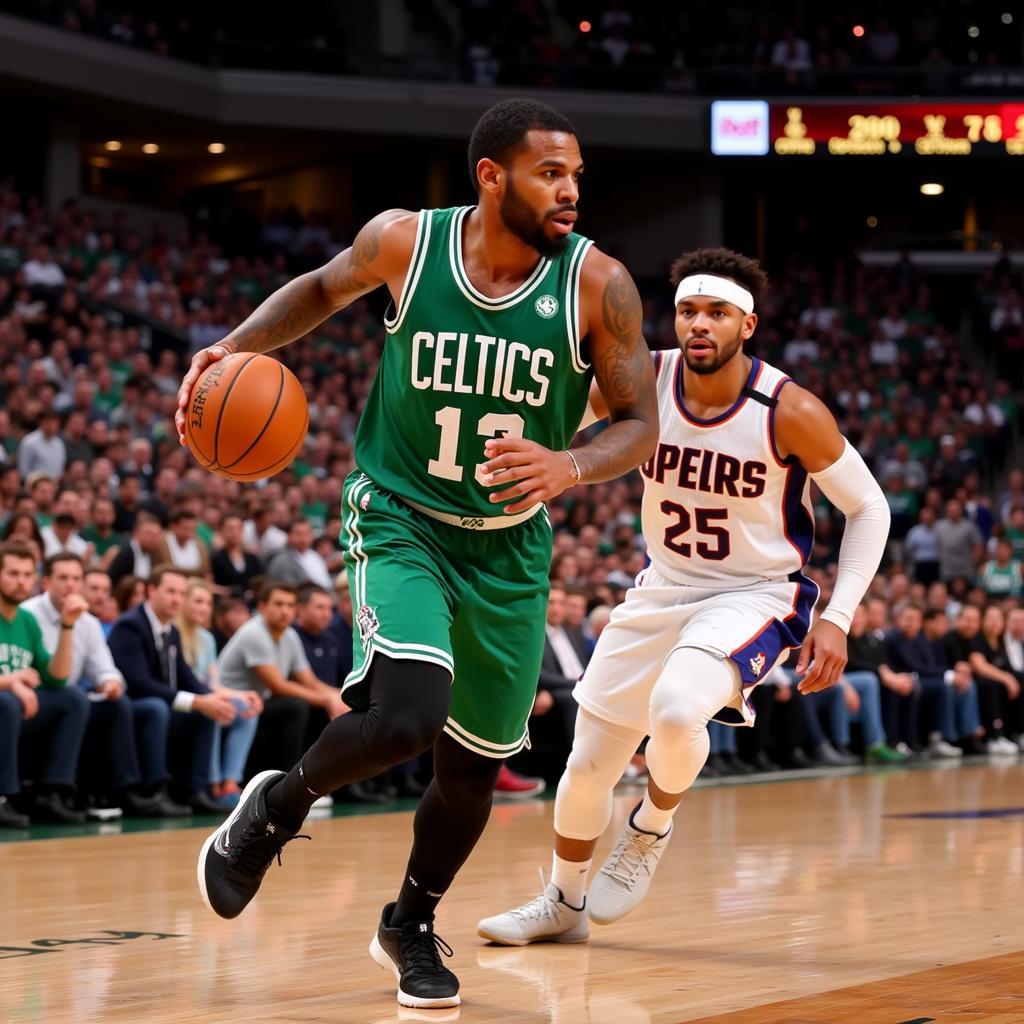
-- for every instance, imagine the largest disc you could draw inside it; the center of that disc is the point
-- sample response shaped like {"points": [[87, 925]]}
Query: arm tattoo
{"points": [[619, 368], [351, 275], [625, 374], [302, 304]]}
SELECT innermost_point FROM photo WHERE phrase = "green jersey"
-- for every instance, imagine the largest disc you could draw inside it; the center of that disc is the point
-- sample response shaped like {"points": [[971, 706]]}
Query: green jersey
{"points": [[460, 367], [21, 646]]}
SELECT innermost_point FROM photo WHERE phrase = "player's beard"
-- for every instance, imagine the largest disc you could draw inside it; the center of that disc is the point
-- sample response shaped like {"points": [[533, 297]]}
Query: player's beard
{"points": [[521, 219], [725, 353], [11, 598]]}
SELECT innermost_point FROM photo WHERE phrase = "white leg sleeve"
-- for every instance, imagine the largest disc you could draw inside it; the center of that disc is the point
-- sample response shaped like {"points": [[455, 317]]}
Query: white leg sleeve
{"points": [[600, 753], [692, 687]]}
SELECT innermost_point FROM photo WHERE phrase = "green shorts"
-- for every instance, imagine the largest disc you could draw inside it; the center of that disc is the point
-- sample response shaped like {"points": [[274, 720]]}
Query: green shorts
{"points": [[474, 602]]}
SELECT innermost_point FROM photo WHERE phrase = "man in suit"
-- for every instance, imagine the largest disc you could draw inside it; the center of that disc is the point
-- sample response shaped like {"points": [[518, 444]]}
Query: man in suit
{"points": [[233, 567], [147, 651], [910, 651], [553, 720], [139, 555]]}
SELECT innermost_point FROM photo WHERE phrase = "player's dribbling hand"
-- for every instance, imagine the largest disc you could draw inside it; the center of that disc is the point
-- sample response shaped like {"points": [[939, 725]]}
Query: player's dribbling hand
{"points": [[822, 657], [525, 471], [200, 361]]}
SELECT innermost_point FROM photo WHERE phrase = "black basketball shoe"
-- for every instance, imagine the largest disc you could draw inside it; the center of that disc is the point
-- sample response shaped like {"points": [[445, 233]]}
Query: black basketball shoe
{"points": [[412, 954], [236, 856]]}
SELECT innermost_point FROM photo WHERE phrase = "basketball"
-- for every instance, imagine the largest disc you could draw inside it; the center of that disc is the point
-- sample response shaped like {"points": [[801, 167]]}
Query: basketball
{"points": [[247, 417]]}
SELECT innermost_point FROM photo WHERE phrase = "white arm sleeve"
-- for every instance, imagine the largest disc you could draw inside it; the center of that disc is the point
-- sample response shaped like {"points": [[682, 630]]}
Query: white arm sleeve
{"points": [[849, 485]]}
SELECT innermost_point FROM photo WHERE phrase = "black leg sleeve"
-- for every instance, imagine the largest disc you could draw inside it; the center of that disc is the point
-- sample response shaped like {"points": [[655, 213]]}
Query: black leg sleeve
{"points": [[408, 709], [450, 819]]}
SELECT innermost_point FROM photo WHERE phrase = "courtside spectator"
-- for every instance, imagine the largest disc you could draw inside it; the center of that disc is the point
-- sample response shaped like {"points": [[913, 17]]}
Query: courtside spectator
{"points": [[231, 742], [36, 705], [115, 721], [229, 615], [147, 650], [989, 662], [265, 655]]}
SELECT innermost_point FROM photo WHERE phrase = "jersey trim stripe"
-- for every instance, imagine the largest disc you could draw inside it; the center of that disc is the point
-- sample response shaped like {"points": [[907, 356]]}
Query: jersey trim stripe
{"points": [[783, 462], [482, 746], [752, 378], [466, 286], [797, 523], [572, 304], [657, 364], [412, 277]]}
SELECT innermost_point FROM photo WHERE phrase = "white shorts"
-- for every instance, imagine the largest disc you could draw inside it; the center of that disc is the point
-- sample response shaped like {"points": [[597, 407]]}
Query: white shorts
{"points": [[756, 627]]}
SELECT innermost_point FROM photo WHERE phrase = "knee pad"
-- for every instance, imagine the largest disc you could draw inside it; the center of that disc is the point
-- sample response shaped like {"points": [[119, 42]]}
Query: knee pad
{"points": [[693, 686]]}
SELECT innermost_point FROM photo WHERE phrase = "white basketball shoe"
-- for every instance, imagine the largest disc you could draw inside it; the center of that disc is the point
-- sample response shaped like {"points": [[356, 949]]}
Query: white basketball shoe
{"points": [[547, 918], [626, 875]]}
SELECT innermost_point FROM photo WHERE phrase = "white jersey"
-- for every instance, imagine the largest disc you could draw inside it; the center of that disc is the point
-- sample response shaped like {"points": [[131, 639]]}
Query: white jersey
{"points": [[720, 506]]}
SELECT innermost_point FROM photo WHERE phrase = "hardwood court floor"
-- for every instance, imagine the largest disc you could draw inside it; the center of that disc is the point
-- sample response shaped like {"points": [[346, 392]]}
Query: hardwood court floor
{"points": [[803, 902]]}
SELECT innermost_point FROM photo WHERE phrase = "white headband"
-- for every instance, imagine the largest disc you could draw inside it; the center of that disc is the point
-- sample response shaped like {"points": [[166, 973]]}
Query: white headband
{"points": [[717, 287]]}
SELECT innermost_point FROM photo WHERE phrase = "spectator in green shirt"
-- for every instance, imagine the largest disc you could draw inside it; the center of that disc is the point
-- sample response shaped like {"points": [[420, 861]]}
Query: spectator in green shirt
{"points": [[35, 705], [100, 532], [1001, 576]]}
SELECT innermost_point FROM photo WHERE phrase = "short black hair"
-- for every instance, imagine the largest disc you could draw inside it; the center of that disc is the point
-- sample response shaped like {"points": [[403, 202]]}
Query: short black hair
{"points": [[61, 556], [269, 587], [501, 131], [723, 263], [308, 591]]}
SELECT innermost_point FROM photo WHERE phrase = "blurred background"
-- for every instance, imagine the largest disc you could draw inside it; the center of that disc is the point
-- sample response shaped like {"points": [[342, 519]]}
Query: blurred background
{"points": [[168, 166]]}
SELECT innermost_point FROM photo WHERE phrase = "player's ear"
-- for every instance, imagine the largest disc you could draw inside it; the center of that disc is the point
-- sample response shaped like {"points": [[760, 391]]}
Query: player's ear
{"points": [[749, 323], [490, 176]]}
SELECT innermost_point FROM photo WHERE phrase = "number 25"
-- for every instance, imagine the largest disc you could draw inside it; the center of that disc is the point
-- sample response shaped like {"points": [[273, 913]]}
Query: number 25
{"points": [[705, 517]]}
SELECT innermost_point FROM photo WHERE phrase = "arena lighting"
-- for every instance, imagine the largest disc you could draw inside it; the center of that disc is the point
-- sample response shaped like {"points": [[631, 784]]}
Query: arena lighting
{"points": [[216, 147], [974, 31], [932, 188], [872, 222], [585, 26], [112, 146], [858, 31], [1007, 18], [150, 148]]}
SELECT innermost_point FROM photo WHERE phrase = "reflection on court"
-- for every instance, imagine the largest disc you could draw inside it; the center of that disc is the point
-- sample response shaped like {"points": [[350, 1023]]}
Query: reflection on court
{"points": [[813, 901]]}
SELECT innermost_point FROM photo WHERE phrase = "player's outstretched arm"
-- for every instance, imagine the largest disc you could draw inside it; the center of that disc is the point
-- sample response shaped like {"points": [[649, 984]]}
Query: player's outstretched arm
{"points": [[379, 254], [806, 430], [623, 371]]}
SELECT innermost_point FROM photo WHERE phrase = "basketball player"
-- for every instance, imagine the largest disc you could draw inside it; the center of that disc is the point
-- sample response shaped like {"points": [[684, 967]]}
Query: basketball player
{"points": [[499, 312], [729, 529]]}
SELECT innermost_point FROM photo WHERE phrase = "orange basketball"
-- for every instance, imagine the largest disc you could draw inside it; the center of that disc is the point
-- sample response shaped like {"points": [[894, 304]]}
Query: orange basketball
{"points": [[247, 417]]}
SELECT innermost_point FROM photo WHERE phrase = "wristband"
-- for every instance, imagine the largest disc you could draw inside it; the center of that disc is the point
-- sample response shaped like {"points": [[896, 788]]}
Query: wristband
{"points": [[575, 466], [64, 625]]}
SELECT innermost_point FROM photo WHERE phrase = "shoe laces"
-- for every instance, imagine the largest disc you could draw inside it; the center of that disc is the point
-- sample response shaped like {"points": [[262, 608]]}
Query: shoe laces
{"points": [[629, 858], [541, 907], [420, 951], [257, 848]]}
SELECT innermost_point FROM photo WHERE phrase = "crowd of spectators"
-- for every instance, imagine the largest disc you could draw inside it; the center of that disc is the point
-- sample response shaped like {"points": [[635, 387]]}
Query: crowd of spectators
{"points": [[701, 46], [174, 561]]}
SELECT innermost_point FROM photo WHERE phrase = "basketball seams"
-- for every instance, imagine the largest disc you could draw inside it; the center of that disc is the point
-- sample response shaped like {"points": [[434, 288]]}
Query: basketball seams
{"points": [[224, 405], [259, 474], [270, 416]]}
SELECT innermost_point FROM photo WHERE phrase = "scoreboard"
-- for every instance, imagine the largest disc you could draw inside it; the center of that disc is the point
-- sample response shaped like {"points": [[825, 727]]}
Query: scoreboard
{"points": [[801, 129]]}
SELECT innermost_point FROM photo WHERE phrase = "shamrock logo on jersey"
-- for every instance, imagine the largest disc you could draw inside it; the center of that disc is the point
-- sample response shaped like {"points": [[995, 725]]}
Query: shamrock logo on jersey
{"points": [[546, 306]]}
